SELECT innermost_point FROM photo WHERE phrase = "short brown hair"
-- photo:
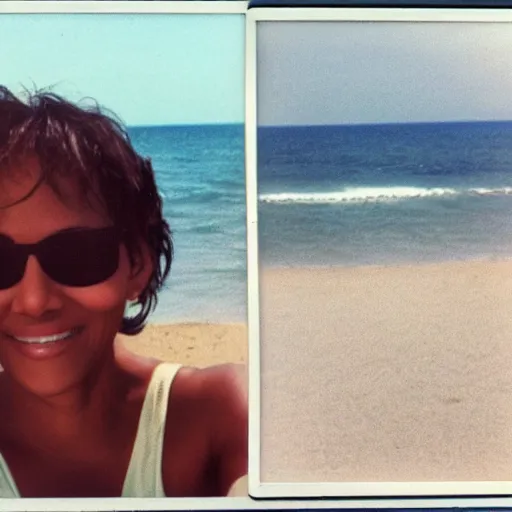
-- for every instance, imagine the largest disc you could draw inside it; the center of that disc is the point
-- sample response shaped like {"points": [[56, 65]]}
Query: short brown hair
{"points": [[93, 147]]}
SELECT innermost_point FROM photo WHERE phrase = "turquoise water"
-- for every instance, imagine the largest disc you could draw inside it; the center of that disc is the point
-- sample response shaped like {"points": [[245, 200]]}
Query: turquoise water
{"points": [[201, 176]]}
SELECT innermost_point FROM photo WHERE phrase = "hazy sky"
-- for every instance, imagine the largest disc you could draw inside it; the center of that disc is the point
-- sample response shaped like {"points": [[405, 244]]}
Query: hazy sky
{"points": [[353, 72], [148, 69]]}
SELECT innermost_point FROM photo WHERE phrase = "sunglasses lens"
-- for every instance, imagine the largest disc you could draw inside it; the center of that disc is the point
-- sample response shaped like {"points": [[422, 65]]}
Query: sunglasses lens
{"points": [[12, 263], [80, 258]]}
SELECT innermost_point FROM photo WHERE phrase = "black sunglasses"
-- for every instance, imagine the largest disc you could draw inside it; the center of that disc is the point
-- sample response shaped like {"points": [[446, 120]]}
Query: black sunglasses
{"points": [[76, 257]]}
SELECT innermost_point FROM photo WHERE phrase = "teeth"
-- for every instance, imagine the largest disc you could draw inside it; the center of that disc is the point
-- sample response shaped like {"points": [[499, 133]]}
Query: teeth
{"points": [[46, 339]]}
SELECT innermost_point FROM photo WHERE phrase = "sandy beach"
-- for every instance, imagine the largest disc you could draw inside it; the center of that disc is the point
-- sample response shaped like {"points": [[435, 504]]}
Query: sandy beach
{"points": [[387, 373], [191, 344]]}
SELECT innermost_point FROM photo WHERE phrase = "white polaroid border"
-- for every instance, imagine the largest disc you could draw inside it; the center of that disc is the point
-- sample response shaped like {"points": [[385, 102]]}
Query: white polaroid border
{"points": [[354, 494], [186, 504], [121, 7]]}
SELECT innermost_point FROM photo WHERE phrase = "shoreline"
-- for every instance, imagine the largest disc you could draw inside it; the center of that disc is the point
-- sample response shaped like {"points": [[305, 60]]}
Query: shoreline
{"points": [[395, 265]]}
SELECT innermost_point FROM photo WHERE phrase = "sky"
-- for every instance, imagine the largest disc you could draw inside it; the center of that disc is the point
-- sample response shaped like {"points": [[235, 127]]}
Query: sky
{"points": [[312, 73], [149, 69]]}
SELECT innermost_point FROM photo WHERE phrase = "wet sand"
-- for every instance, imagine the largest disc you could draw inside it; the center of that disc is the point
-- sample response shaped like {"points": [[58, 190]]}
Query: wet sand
{"points": [[387, 373]]}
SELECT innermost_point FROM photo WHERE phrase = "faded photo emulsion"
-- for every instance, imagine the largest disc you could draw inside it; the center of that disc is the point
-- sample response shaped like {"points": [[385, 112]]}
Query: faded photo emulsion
{"points": [[123, 337], [384, 157]]}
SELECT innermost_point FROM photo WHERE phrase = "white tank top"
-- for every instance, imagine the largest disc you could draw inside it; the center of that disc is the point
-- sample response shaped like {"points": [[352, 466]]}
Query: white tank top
{"points": [[144, 475]]}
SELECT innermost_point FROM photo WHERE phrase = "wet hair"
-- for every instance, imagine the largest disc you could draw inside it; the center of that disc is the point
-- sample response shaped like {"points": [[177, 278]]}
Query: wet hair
{"points": [[91, 146]]}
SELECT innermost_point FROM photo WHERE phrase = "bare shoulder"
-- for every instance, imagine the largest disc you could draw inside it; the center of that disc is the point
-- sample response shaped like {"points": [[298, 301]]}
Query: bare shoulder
{"points": [[218, 397], [220, 392], [221, 382]]}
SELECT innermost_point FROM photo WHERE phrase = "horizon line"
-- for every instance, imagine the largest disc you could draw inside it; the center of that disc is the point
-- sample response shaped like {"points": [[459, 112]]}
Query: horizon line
{"points": [[390, 123], [184, 125]]}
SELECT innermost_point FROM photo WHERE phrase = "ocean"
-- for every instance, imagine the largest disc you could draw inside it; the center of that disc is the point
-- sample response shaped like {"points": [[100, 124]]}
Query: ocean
{"points": [[328, 195], [200, 173], [384, 194]]}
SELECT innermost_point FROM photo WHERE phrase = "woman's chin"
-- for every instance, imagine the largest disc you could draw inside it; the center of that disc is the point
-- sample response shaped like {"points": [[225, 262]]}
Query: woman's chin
{"points": [[45, 384], [47, 370]]}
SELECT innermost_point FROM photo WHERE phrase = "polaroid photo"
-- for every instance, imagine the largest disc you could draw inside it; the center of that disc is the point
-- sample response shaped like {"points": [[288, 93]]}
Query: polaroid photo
{"points": [[123, 332], [380, 240]]}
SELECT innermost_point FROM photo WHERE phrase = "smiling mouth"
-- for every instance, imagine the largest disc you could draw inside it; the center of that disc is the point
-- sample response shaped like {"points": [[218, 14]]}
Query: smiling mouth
{"points": [[43, 340]]}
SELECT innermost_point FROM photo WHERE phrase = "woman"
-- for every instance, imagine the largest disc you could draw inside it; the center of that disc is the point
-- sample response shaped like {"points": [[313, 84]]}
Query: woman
{"points": [[82, 235]]}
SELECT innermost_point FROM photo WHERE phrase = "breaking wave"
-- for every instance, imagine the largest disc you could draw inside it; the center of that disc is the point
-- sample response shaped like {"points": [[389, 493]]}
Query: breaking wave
{"points": [[377, 194]]}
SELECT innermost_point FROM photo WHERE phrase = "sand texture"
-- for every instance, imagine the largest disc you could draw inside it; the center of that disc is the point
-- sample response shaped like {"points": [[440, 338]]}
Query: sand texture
{"points": [[197, 345], [387, 374]]}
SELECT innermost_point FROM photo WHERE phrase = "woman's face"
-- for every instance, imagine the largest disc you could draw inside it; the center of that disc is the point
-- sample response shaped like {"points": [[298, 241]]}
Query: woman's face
{"points": [[52, 335]]}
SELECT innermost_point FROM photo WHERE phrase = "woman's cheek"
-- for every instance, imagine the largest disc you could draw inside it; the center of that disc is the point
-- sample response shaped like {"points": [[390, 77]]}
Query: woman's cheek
{"points": [[5, 304]]}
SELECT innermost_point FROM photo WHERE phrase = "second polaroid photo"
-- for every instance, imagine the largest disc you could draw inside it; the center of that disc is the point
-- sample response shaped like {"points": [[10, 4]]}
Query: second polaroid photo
{"points": [[382, 163]]}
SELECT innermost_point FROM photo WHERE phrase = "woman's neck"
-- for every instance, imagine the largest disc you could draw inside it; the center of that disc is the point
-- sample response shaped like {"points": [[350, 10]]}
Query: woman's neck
{"points": [[75, 420]]}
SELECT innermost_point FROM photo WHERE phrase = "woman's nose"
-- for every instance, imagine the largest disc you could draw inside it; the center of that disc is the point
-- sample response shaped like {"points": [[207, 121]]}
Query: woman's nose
{"points": [[36, 294]]}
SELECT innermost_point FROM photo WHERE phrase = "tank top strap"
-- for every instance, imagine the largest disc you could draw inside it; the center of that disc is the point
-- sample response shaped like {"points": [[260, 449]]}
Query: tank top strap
{"points": [[144, 475], [8, 487]]}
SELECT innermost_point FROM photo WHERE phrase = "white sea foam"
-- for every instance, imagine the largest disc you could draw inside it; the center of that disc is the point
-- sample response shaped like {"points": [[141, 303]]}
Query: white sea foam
{"points": [[377, 194], [491, 191], [358, 195]]}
